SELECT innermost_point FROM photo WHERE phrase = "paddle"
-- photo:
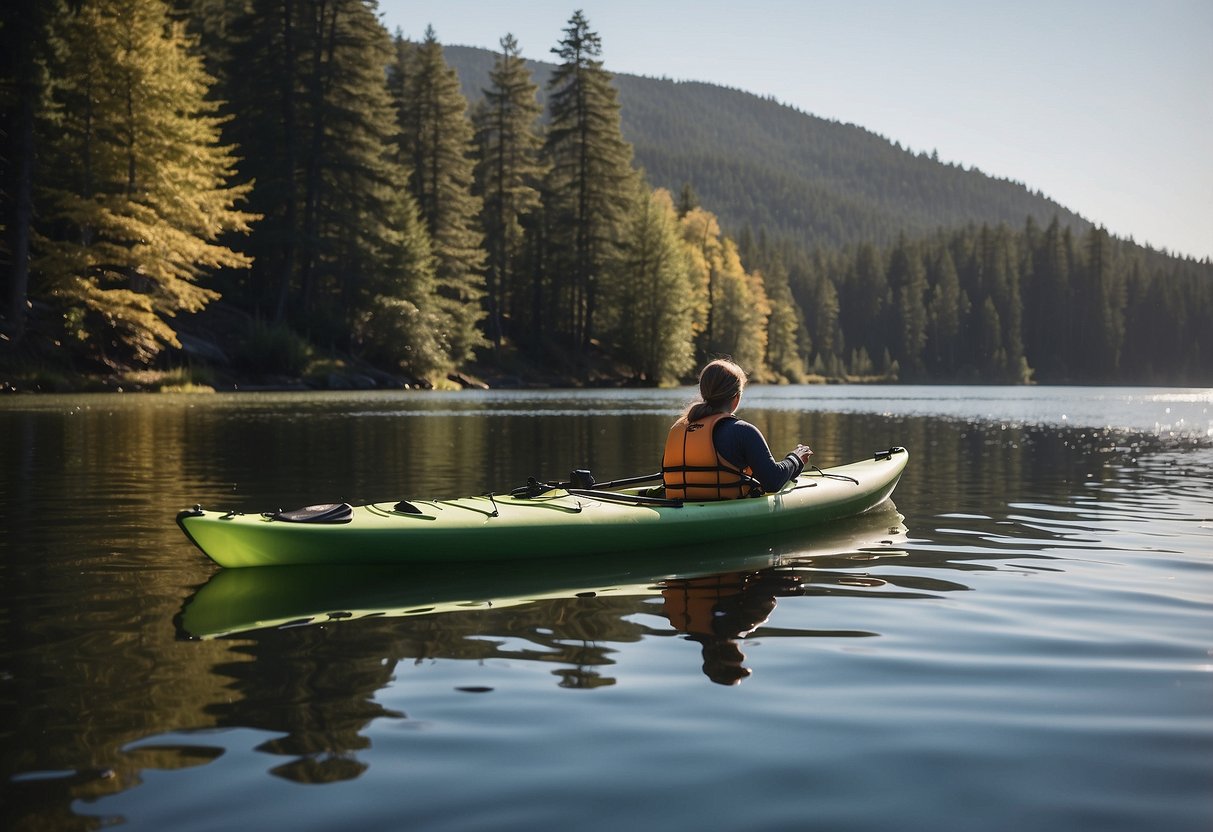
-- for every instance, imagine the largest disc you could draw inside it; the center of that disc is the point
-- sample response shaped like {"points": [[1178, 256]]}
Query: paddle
{"points": [[580, 479]]}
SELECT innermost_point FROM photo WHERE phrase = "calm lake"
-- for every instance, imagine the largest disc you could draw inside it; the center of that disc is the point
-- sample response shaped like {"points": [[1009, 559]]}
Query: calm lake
{"points": [[1024, 642]]}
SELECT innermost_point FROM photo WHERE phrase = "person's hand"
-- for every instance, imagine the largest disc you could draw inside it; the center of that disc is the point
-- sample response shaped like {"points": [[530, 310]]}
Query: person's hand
{"points": [[804, 452]]}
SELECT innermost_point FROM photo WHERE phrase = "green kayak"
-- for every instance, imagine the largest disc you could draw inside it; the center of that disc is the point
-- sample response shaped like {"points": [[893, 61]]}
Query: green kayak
{"points": [[542, 520], [236, 601]]}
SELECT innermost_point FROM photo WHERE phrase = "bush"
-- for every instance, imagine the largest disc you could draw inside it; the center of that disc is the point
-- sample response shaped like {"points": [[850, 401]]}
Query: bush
{"points": [[187, 380], [273, 349], [394, 333]]}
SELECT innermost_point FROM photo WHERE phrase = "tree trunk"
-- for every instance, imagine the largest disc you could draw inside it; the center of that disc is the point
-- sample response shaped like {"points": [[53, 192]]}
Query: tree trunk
{"points": [[288, 160], [22, 149]]}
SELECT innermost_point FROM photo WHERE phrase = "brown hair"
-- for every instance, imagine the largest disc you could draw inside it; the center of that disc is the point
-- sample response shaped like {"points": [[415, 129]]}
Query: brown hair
{"points": [[719, 382]]}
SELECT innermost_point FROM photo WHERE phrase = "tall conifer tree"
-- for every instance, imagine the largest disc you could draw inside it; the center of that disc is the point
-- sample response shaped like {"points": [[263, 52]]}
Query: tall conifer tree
{"points": [[587, 191], [866, 302], [740, 314], [508, 173], [827, 340], [908, 282], [264, 83], [701, 234], [947, 308], [395, 321], [1048, 314], [783, 325], [1000, 276], [648, 299], [1100, 292], [437, 142], [28, 45], [141, 190], [317, 128]]}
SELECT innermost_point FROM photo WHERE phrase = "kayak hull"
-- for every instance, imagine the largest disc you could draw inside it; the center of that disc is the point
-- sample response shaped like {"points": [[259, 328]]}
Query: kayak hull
{"points": [[235, 601], [558, 522]]}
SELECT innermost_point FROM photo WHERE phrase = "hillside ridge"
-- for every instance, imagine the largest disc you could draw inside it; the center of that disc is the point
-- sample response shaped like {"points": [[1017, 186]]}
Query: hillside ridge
{"points": [[755, 161]]}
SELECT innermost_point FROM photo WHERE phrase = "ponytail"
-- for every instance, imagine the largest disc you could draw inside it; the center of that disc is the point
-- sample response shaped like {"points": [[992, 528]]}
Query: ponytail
{"points": [[719, 382]]}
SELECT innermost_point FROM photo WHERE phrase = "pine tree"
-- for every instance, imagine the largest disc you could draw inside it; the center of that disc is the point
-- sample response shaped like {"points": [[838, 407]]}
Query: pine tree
{"points": [[947, 308], [865, 301], [587, 191], [990, 352], [27, 45], [688, 200], [437, 142], [1140, 307], [824, 313], [210, 22], [340, 254], [1100, 291], [783, 325], [141, 192], [385, 271], [1001, 280], [907, 280], [350, 180], [394, 321], [740, 319], [508, 173], [264, 83], [1049, 313], [647, 301], [701, 235]]}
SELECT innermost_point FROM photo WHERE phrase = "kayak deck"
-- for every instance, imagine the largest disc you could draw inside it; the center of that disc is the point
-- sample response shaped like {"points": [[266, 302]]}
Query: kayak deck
{"points": [[560, 521]]}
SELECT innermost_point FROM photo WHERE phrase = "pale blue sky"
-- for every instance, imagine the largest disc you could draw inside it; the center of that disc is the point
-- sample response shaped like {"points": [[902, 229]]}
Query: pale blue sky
{"points": [[1104, 105]]}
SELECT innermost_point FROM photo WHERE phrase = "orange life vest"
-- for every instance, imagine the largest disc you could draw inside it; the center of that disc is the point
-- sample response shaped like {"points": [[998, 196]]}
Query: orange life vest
{"points": [[691, 469]]}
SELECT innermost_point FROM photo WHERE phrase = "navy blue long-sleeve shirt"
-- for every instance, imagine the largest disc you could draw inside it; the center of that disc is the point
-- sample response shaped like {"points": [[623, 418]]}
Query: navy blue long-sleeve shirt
{"points": [[743, 445]]}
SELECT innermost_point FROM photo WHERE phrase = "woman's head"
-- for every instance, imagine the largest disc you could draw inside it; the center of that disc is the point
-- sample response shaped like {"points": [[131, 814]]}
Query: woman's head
{"points": [[719, 383]]}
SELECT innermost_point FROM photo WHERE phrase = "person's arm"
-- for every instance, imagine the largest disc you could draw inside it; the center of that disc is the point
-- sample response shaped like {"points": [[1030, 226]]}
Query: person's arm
{"points": [[751, 448]]}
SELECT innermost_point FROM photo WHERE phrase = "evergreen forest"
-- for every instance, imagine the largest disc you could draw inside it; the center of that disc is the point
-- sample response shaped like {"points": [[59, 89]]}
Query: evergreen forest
{"points": [[283, 189]]}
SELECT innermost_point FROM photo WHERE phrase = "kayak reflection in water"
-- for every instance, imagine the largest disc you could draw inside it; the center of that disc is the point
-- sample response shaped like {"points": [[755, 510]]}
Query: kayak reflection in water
{"points": [[718, 610], [710, 454]]}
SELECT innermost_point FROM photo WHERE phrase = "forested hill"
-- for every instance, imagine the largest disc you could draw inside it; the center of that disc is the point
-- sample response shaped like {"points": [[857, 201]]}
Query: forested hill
{"points": [[766, 165], [275, 191]]}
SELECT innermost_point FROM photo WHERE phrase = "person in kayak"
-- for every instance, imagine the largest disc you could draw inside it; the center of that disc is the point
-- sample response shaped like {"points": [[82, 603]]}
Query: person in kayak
{"points": [[710, 454]]}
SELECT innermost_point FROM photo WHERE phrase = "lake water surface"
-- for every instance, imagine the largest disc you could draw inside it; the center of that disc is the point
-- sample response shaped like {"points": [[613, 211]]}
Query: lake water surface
{"points": [[1023, 640]]}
